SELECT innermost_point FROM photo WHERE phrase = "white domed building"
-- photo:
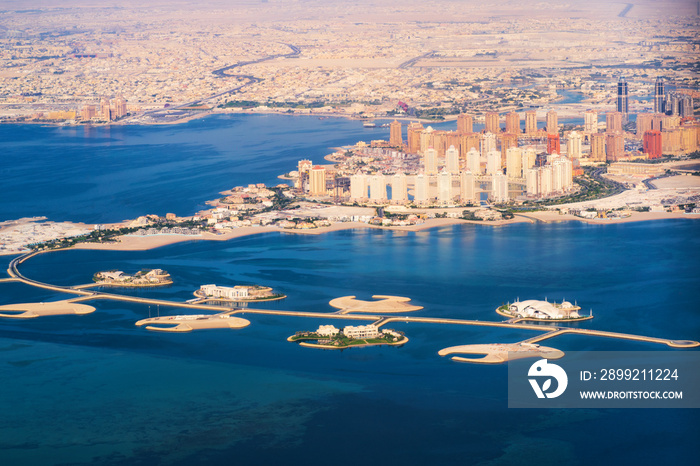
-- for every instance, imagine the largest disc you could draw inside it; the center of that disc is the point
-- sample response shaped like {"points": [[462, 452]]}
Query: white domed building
{"points": [[534, 309]]}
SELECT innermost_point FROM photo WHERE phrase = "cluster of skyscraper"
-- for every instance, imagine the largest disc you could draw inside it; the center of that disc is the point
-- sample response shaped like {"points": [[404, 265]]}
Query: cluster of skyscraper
{"points": [[454, 179], [106, 111], [673, 102], [456, 166]]}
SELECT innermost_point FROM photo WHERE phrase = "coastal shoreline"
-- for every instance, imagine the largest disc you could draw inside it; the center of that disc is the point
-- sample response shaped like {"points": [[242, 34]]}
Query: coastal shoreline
{"points": [[569, 110], [204, 114], [142, 243]]}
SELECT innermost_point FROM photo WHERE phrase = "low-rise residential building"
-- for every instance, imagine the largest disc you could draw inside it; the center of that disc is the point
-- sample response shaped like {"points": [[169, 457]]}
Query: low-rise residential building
{"points": [[361, 331], [235, 292], [327, 330]]}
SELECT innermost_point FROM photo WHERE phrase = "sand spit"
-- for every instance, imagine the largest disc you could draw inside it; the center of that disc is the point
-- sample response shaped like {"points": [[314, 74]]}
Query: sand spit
{"points": [[142, 243], [497, 353], [187, 323], [32, 310], [389, 304], [554, 216]]}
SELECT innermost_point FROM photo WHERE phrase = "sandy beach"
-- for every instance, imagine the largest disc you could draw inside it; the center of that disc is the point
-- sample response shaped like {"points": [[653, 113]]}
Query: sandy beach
{"points": [[554, 216], [141, 243]]}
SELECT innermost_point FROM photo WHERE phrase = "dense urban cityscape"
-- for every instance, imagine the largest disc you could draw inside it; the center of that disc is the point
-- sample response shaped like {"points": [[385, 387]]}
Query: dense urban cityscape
{"points": [[501, 80]]}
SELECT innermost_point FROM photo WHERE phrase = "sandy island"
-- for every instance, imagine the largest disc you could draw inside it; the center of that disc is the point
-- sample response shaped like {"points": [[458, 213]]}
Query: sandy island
{"points": [[187, 323], [497, 353], [385, 303], [55, 308]]}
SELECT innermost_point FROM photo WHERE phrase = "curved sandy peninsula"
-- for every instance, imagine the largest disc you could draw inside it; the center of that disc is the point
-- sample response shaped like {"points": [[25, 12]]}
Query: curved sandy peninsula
{"points": [[384, 303], [552, 216], [55, 308], [187, 323], [497, 353], [141, 243]]}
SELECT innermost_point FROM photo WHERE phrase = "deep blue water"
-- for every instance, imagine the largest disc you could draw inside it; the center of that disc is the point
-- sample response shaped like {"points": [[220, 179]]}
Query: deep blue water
{"points": [[108, 174], [95, 389]]}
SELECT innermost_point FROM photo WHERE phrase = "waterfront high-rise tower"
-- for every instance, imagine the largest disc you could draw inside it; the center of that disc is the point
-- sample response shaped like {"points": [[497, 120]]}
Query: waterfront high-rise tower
{"points": [[427, 139], [493, 162], [465, 123], [552, 122], [420, 188], [413, 137], [529, 157], [613, 122], [553, 144], [358, 187], [399, 190], [120, 108], [507, 141], [590, 121], [430, 162], [499, 187], [514, 163], [105, 110], [573, 145], [317, 181], [488, 143], [474, 161], [622, 98], [444, 187], [395, 137], [467, 191], [597, 147], [452, 160], [492, 125], [652, 144], [614, 147], [304, 168], [530, 122], [679, 103], [513, 123], [88, 112], [377, 187], [645, 122], [659, 96]]}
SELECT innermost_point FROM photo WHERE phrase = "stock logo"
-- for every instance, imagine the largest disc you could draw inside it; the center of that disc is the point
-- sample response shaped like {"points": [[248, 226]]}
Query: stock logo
{"points": [[542, 369]]}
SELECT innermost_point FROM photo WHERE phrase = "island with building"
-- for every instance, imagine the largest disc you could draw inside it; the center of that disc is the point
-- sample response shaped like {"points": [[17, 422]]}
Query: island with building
{"points": [[154, 277], [532, 309], [238, 293], [330, 337]]}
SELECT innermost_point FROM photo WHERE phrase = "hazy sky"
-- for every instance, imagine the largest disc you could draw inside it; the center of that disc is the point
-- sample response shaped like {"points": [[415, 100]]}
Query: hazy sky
{"points": [[479, 7]]}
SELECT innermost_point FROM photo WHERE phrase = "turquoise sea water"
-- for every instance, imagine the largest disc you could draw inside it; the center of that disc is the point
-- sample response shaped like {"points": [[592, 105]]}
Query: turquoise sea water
{"points": [[95, 389]]}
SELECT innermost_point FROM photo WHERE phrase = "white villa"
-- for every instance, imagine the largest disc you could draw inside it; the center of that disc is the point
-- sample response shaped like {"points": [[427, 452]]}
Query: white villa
{"points": [[327, 330], [361, 331], [213, 291]]}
